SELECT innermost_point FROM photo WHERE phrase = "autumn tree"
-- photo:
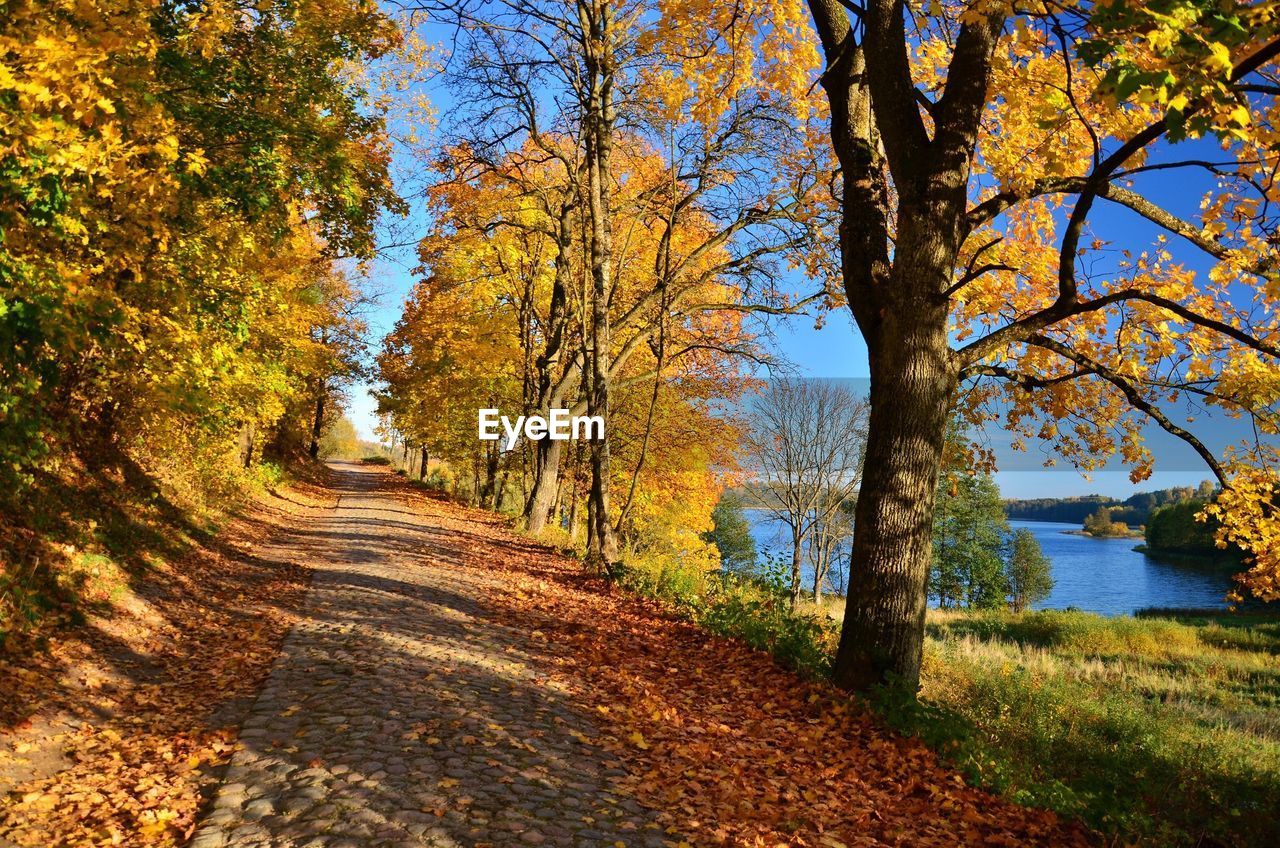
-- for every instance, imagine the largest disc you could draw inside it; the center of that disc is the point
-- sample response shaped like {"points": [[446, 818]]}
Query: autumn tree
{"points": [[589, 84], [340, 440], [976, 143], [476, 326], [178, 181], [1101, 523], [453, 351]]}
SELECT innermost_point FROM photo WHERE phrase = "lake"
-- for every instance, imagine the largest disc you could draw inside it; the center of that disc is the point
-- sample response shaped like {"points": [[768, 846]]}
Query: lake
{"points": [[1099, 575]]}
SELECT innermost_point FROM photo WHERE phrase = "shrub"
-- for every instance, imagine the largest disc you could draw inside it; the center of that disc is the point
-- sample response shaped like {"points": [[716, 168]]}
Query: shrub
{"points": [[667, 577], [764, 620], [731, 534], [269, 474], [376, 459]]}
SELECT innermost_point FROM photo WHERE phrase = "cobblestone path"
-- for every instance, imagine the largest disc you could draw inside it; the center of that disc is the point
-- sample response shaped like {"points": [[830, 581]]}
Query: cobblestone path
{"points": [[401, 713]]}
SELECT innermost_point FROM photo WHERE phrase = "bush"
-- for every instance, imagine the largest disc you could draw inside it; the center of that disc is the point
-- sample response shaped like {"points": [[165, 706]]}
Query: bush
{"points": [[765, 621], [436, 479], [667, 577], [755, 609], [376, 459], [269, 474]]}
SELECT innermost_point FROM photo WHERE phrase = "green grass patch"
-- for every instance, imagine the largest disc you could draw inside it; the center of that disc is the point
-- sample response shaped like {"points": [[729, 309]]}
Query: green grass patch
{"points": [[1160, 730]]}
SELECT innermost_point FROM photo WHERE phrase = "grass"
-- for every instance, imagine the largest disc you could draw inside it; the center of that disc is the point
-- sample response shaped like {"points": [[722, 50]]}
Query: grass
{"points": [[1159, 730]]}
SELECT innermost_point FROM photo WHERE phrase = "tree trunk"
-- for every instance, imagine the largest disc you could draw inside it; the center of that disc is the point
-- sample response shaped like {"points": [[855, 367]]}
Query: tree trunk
{"points": [[500, 491], [422, 467], [545, 489], [548, 451], [797, 548], [317, 424], [899, 296], [603, 551], [592, 527], [573, 492], [248, 444], [912, 384], [490, 477], [819, 574]]}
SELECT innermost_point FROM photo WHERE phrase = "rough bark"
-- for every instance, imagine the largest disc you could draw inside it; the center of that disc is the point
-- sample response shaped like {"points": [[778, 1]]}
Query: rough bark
{"points": [[911, 394], [597, 17], [900, 303], [548, 452]]}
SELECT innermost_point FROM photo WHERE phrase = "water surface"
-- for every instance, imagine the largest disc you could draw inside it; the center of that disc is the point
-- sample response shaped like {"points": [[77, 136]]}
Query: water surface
{"points": [[1098, 575]]}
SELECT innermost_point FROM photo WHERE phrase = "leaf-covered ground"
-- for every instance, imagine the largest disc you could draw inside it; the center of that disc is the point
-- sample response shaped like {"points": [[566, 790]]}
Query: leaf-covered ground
{"points": [[112, 735], [118, 734], [731, 748]]}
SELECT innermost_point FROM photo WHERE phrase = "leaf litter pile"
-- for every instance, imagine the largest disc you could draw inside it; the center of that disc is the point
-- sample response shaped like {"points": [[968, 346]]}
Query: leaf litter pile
{"points": [[729, 746], [113, 735]]}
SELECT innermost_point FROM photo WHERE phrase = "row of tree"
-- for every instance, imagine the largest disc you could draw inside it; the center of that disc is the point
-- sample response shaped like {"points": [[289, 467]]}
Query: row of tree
{"points": [[178, 184], [937, 170], [603, 227], [1135, 509]]}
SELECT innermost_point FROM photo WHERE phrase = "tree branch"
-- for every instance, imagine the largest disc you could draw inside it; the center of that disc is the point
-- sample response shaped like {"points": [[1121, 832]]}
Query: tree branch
{"points": [[1136, 400]]}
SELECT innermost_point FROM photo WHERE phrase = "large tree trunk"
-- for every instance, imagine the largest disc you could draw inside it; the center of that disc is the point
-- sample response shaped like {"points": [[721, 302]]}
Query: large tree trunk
{"points": [[912, 384], [899, 298]]}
